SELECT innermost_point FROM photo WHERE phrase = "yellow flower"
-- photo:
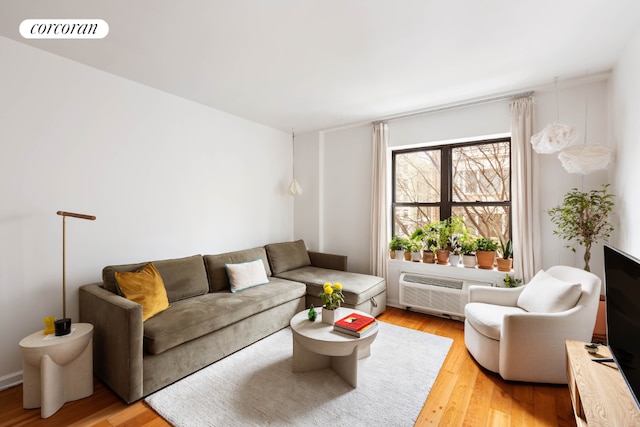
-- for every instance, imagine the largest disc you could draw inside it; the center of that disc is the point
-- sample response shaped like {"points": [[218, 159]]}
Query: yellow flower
{"points": [[337, 285], [328, 290], [327, 285]]}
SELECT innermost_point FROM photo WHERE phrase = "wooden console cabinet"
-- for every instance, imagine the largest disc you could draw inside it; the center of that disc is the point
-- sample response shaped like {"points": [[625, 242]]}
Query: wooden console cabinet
{"points": [[599, 394]]}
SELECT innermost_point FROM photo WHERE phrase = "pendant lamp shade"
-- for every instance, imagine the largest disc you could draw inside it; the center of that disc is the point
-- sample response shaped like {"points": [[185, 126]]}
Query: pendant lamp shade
{"points": [[584, 159], [554, 138], [295, 189]]}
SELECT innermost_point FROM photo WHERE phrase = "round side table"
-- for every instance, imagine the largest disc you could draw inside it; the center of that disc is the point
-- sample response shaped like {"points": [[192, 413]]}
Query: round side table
{"points": [[56, 370], [316, 346]]}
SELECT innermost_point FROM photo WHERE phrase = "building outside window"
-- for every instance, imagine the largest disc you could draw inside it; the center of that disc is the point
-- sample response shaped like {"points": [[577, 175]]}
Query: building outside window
{"points": [[471, 180]]}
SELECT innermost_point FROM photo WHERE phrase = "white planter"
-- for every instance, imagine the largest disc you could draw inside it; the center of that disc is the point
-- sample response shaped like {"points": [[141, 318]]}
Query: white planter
{"points": [[416, 256], [330, 316], [400, 255], [454, 260], [469, 261]]}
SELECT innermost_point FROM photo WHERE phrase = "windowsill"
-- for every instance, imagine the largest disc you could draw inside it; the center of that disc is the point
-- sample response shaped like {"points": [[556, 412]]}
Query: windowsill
{"points": [[455, 272]]}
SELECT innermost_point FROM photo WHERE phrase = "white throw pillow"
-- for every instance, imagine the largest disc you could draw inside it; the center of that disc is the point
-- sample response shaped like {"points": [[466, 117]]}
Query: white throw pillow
{"points": [[246, 275], [547, 294]]}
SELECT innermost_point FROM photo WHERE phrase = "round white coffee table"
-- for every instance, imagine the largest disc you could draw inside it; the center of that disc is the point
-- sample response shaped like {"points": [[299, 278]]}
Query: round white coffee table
{"points": [[57, 369], [317, 346]]}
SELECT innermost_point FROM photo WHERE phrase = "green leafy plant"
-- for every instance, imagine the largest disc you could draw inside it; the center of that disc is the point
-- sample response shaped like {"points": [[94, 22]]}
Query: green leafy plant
{"points": [[506, 249], [397, 243], [484, 244], [511, 282], [426, 235], [468, 244], [584, 219], [414, 246], [331, 295]]}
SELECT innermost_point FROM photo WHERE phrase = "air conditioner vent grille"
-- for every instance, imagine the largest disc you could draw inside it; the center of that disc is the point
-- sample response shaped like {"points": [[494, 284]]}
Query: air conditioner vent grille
{"points": [[433, 281]]}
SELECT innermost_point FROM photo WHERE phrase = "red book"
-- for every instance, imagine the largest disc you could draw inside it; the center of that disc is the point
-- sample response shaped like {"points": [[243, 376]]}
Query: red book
{"points": [[354, 322]]}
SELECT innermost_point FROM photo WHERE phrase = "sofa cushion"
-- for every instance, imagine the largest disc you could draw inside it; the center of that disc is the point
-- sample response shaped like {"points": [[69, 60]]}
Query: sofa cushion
{"points": [[183, 277], [547, 294], [198, 316], [215, 264], [287, 256], [146, 288], [488, 318], [356, 287], [246, 275]]}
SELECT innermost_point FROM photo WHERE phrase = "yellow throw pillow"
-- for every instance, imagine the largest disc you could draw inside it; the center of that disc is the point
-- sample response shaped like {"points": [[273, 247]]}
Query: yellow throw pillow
{"points": [[145, 287]]}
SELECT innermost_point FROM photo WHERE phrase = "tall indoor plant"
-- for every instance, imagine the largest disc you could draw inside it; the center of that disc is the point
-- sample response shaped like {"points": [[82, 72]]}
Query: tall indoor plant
{"points": [[584, 218]]}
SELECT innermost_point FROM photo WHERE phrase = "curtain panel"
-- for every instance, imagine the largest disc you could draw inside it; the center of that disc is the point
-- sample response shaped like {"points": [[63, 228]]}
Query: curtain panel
{"points": [[379, 234], [524, 198]]}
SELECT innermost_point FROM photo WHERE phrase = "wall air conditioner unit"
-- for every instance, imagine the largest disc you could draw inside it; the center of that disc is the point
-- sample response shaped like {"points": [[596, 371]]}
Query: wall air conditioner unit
{"points": [[437, 295]]}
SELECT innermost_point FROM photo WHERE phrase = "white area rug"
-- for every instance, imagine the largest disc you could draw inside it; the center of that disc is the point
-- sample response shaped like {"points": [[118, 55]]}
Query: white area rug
{"points": [[256, 386]]}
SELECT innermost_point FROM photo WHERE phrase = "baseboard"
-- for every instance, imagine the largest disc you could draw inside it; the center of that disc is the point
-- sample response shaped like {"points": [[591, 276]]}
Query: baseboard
{"points": [[10, 380]]}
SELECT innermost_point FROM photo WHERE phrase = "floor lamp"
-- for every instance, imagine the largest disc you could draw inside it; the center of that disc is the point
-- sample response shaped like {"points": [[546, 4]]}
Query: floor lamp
{"points": [[63, 326]]}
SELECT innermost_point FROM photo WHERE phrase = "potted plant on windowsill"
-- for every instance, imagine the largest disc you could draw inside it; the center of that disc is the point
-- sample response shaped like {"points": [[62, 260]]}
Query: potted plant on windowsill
{"points": [[415, 247], [456, 250], [396, 247], [506, 250], [468, 250], [486, 253], [426, 235]]}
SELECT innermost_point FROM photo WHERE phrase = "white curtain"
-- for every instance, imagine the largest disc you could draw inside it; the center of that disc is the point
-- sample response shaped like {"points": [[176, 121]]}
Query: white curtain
{"points": [[524, 198], [379, 235]]}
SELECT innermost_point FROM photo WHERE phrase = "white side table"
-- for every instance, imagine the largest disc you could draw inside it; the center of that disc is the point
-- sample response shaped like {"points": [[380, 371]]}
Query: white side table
{"points": [[56, 370], [316, 346]]}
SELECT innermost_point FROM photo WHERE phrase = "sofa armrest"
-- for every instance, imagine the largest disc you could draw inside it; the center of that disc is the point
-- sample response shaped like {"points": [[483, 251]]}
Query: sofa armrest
{"points": [[498, 296], [117, 339], [330, 261]]}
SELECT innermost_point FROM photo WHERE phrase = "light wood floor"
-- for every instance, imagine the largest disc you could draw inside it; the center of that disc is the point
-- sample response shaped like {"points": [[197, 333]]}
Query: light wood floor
{"points": [[463, 395]]}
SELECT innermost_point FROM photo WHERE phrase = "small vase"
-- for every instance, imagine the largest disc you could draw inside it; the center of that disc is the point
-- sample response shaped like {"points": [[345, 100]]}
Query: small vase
{"points": [[330, 316], [48, 325], [399, 255]]}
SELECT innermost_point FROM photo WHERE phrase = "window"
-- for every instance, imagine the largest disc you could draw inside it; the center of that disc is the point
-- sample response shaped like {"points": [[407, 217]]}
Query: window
{"points": [[471, 180]]}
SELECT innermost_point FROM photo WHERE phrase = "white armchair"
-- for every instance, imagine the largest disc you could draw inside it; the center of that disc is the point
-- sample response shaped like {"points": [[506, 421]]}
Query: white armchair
{"points": [[520, 332]]}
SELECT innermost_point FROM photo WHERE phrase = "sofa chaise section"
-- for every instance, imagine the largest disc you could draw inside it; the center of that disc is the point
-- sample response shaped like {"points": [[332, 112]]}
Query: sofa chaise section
{"points": [[292, 261]]}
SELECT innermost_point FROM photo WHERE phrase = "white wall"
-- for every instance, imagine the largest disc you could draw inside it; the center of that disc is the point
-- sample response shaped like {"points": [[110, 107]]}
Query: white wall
{"points": [[625, 96], [165, 177], [343, 167]]}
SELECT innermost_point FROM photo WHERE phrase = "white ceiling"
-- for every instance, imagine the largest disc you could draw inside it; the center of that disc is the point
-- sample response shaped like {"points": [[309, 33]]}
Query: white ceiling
{"points": [[317, 64]]}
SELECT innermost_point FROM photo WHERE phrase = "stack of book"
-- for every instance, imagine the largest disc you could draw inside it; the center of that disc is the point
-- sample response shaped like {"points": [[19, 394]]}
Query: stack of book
{"points": [[357, 325]]}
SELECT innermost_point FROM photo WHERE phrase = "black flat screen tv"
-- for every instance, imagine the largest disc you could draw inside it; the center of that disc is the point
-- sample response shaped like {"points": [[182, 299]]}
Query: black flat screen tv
{"points": [[622, 290]]}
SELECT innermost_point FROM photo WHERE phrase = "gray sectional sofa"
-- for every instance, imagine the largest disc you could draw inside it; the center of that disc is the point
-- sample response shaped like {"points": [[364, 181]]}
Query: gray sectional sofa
{"points": [[206, 321]]}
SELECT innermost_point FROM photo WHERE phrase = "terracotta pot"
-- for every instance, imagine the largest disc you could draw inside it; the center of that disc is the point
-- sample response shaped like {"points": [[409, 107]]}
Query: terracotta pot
{"points": [[443, 256], [392, 254], [486, 259], [407, 256], [505, 264], [428, 257]]}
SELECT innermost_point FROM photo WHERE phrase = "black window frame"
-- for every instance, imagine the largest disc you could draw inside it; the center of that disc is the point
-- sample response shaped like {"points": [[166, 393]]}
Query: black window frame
{"points": [[446, 203]]}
